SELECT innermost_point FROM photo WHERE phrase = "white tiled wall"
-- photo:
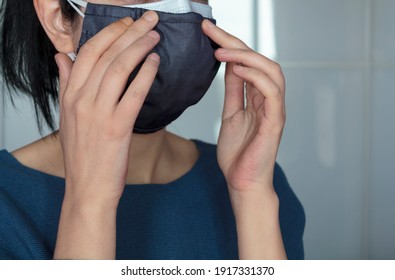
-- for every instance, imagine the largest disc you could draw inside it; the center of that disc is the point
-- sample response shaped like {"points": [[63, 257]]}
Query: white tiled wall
{"points": [[320, 31], [338, 58], [382, 192], [383, 35], [338, 149]]}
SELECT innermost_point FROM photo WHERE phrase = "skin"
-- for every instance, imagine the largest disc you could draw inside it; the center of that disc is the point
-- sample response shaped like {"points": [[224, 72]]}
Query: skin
{"points": [[97, 154]]}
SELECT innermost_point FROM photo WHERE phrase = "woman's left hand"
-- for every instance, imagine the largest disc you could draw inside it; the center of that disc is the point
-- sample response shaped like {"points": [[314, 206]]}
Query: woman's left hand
{"points": [[251, 131]]}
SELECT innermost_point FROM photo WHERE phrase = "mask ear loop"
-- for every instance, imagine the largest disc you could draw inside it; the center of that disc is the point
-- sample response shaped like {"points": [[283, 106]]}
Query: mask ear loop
{"points": [[79, 3], [72, 56]]}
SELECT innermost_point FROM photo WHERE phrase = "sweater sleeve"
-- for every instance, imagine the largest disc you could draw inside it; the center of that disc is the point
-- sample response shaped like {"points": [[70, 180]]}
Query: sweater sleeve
{"points": [[292, 216]]}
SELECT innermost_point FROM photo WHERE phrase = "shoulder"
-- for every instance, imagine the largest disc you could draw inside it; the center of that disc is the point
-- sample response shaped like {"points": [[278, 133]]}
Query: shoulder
{"points": [[15, 181], [9, 168], [206, 172], [208, 157], [24, 185], [13, 223], [12, 172], [206, 149], [29, 203]]}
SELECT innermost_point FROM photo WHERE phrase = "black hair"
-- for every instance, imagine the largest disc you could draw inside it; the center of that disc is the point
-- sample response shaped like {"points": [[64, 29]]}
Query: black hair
{"points": [[27, 57]]}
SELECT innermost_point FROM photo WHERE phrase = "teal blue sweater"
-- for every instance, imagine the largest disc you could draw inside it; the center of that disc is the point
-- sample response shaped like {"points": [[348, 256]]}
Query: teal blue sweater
{"points": [[190, 218]]}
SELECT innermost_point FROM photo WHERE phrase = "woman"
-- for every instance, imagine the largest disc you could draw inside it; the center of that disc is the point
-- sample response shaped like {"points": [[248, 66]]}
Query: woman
{"points": [[64, 196]]}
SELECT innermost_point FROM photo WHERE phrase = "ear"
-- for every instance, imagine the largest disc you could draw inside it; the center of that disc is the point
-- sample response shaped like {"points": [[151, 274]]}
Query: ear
{"points": [[50, 15]]}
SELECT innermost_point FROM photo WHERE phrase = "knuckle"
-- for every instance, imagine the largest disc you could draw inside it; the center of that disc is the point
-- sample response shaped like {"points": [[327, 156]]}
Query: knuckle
{"points": [[141, 26], [277, 92], [80, 110], [277, 68], [118, 67], [243, 56], [126, 21], [145, 44], [236, 42], [67, 101], [117, 27], [137, 92], [112, 52], [149, 68], [152, 38], [144, 25]]}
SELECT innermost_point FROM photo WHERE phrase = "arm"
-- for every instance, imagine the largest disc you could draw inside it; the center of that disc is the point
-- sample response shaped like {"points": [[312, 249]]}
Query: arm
{"points": [[258, 227], [95, 132], [86, 231], [248, 143]]}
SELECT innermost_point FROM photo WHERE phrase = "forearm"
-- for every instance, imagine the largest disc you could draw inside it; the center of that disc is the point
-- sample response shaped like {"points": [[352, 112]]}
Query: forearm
{"points": [[86, 231], [258, 226]]}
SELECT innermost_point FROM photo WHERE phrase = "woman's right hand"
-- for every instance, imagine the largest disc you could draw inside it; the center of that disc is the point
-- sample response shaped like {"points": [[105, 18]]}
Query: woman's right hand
{"points": [[95, 131]]}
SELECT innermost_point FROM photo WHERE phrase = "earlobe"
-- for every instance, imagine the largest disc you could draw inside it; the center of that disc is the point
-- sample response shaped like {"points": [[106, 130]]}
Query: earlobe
{"points": [[50, 15]]}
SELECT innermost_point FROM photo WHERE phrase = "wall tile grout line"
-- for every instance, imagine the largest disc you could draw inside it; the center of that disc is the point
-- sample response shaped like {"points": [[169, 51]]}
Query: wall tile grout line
{"points": [[324, 65], [367, 142], [335, 65]]}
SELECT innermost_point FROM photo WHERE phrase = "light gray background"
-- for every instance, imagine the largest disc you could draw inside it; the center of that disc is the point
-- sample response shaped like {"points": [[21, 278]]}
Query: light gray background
{"points": [[338, 57]]}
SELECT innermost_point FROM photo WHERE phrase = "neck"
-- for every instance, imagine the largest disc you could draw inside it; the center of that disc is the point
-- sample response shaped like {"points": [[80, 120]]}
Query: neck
{"points": [[159, 158], [156, 158], [148, 154]]}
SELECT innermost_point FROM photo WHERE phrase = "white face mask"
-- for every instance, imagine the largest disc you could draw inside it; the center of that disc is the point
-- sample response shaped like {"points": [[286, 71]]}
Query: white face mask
{"points": [[167, 6]]}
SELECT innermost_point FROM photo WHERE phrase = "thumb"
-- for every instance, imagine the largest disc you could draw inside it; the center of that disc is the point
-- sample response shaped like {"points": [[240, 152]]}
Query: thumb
{"points": [[64, 65]]}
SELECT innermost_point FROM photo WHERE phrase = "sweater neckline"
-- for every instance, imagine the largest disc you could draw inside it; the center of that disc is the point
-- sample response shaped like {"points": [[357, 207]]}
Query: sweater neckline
{"points": [[11, 160]]}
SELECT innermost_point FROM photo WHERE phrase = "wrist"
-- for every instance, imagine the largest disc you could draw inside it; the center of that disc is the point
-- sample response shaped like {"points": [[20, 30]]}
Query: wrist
{"points": [[92, 208], [262, 202], [90, 198]]}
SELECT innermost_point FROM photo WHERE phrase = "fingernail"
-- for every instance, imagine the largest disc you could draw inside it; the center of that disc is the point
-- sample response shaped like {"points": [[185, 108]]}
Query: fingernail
{"points": [[153, 34], [222, 51], [154, 57], [208, 23], [127, 20], [150, 16]]}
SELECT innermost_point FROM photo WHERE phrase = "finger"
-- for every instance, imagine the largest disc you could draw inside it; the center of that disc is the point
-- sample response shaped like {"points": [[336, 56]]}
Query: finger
{"points": [[221, 37], [137, 30], [131, 103], [274, 100], [93, 49], [117, 74], [234, 93], [65, 65], [253, 59]]}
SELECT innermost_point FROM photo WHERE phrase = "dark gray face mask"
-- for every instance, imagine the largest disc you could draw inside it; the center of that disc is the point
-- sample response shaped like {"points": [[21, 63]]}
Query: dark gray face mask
{"points": [[187, 67]]}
